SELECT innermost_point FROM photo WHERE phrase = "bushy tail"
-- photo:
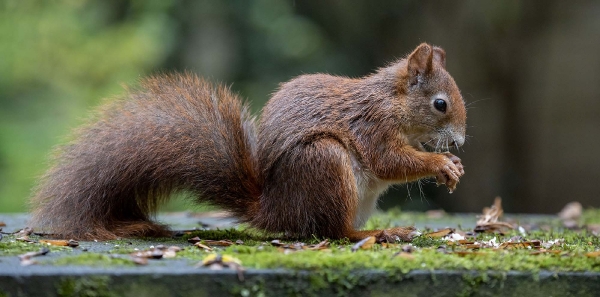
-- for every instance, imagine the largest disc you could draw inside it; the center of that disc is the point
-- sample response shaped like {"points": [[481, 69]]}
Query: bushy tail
{"points": [[175, 132]]}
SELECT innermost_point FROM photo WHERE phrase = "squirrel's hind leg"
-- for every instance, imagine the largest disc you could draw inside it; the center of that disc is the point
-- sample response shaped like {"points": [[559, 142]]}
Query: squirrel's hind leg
{"points": [[310, 191]]}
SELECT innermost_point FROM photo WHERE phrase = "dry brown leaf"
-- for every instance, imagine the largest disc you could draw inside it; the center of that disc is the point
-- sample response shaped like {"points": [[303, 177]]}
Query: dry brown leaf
{"points": [[26, 258], [158, 252], [595, 254], [25, 238], [364, 244], [149, 254], [276, 242], [194, 239], [520, 245], [139, 260], [60, 242], [218, 242], [491, 214], [472, 246], [571, 211], [23, 232], [320, 246], [299, 246], [217, 262], [175, 248], [404, 255], [27, 262], [489, 220], [440, 233]]}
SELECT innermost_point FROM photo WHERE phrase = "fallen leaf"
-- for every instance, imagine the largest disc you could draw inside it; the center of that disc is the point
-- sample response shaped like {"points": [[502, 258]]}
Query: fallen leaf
{"points": [[27, 262], [364, 244], [194, 239], [158, 252], [26, 258], [276, 242], [595, 254], [139, 260], [60, 242], [491, 214], [175, 248], [218, 242], [440, 233], [202, 246], [24, 232], [489, 220], [520, 245], [25, 238], [218, 261], [320, 246], [472, 246], [571, 211], [404, 255]]}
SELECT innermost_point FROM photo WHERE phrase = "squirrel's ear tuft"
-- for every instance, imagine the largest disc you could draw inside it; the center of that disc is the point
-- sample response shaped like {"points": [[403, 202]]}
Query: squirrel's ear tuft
{"points": [[439, 56], [420, 62]]}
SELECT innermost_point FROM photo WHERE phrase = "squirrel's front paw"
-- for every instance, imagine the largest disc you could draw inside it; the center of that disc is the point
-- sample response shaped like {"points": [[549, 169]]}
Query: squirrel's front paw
{"points": [[450, 171], [393, 235]]}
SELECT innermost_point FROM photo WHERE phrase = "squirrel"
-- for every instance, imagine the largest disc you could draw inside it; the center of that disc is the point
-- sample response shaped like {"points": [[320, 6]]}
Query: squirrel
{"points": [[326, 147]]}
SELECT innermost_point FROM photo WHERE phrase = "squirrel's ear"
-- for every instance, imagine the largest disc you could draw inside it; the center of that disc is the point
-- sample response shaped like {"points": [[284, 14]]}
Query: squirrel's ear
{"points": [[420, 62], [439, 56]]}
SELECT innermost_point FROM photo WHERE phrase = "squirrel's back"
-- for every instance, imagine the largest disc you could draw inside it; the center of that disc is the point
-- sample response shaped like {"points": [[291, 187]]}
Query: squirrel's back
{"points": [[173, 132]]}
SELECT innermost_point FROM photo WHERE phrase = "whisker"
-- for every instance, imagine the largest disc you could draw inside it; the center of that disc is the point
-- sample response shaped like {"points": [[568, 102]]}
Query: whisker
{"points": [[471, 103]]}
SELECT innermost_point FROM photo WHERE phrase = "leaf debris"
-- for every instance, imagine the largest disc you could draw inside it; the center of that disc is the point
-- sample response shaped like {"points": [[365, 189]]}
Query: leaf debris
{"points": [[26, 259], [218, 262], [489, 220], [364, 244]]}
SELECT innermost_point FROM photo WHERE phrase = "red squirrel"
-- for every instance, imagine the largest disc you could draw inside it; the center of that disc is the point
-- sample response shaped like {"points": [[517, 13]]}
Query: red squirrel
{"points": [[325, 149]]}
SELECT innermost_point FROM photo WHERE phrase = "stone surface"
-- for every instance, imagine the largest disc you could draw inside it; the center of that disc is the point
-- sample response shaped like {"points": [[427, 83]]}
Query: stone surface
{"points": [[180, 277]]}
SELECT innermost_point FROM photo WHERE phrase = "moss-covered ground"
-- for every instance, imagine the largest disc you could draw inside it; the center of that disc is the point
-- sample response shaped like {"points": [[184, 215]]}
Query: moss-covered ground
{"points": [[559, 249]]}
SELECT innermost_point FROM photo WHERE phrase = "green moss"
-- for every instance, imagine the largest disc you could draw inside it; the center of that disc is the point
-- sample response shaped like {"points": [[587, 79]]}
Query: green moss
{"points": [[254, 288], [243, 233], [94, 286], [93, 259], [258, 253], [591, 216], [9, 246], [429, 253]]}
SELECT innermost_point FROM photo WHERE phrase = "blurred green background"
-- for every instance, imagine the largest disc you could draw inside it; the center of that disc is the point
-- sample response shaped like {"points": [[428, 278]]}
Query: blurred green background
{"points": [[530, 71]]}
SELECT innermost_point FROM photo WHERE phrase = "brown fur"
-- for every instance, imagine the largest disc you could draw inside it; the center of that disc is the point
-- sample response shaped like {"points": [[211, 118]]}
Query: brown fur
{"points": [[325, 147]]}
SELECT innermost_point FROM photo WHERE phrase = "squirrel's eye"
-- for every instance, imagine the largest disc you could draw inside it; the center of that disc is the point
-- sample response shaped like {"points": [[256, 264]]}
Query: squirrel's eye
{"points": [[440, 105]]}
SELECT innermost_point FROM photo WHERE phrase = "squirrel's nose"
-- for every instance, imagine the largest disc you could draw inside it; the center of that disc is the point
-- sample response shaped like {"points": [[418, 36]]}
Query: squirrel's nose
{"points": [[458, 141]]}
